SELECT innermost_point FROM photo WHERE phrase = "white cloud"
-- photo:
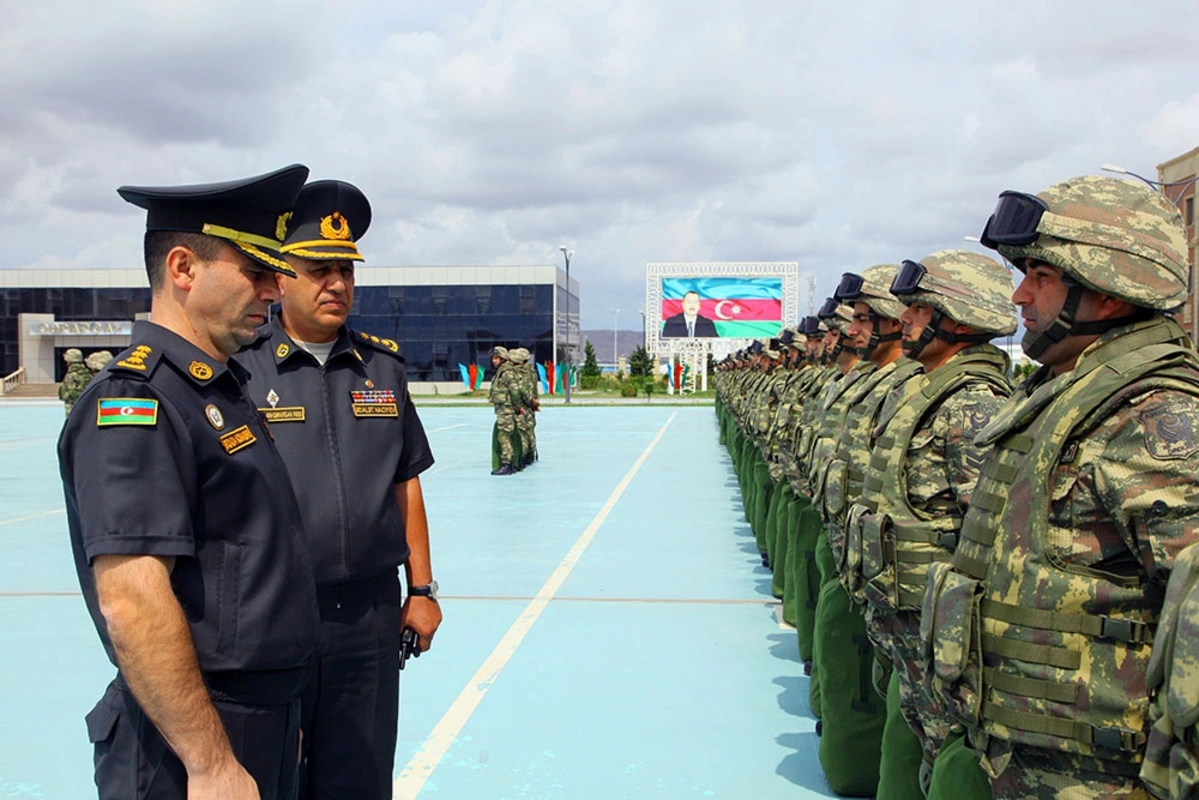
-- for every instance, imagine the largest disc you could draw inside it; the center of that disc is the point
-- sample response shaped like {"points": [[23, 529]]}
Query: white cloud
{"points": [[491, 131]]}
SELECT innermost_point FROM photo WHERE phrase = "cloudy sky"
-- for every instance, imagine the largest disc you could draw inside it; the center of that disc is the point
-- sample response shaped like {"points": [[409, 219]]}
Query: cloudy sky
{"points": [[838, 135]]}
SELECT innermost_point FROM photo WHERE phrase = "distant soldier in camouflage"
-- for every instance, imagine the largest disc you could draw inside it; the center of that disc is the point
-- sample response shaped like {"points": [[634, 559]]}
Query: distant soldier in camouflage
{"points": [[76, 380], [526, 420], [1040, 630], [918, 484], [508, 399]]}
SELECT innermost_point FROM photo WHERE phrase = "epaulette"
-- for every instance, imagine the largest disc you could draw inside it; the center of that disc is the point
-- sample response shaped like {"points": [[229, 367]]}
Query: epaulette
{"points": [[139, 359], [386, 345]]}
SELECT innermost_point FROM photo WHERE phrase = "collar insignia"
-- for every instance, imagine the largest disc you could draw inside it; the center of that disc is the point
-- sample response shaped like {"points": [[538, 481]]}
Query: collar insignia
{"points": [[200, 371], [282, 350]]}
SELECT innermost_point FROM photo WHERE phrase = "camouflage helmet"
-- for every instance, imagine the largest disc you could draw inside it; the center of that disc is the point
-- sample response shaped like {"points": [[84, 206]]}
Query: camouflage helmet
{"points": [[73, 356], [1115, 236], [500, 352], [97, 361], [875, 290], [518, 356], [966, 287]]}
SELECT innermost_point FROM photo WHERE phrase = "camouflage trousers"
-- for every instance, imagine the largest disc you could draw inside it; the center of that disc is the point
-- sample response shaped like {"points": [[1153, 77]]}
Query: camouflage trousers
{"points": [[505, 424], [1043, 775], [525, 424]]}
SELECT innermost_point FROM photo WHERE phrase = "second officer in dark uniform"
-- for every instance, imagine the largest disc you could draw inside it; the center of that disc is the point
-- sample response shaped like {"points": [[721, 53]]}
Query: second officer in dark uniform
{"points": [[341, 414], [188, 546]]}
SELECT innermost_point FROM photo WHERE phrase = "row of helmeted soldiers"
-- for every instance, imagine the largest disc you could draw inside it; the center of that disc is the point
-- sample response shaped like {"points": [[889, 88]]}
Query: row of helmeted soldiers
{"points": [[994, 588]]}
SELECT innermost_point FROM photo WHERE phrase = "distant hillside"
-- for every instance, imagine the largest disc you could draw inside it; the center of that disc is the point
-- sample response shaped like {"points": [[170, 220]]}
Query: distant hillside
{"points": [[626, 341]]}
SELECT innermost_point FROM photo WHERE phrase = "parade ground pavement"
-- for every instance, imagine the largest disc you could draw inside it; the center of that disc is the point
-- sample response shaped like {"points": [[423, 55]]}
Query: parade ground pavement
{"points": [[609, 630]]}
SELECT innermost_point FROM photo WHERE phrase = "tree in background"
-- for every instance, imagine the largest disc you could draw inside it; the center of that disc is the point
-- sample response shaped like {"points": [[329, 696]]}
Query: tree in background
{"points": [[641, 368], [590, 365]]}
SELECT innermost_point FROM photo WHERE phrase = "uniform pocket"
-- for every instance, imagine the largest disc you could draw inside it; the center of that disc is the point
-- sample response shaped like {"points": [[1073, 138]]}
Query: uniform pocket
{"points": [[955, 615], [834, 489], [102, 720]]}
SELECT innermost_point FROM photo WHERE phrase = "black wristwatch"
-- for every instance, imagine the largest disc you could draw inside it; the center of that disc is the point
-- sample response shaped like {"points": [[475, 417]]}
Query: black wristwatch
{"points": [[429, 590]]}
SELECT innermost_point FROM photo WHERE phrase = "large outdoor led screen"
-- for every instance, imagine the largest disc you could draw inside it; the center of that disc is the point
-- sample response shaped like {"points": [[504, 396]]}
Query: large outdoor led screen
{"points": [[722, 307]]}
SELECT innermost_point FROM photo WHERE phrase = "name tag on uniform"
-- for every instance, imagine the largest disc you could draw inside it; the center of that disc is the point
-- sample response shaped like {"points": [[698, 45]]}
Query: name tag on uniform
{"points": [[285, 414], [374, 403], [238, 439]]}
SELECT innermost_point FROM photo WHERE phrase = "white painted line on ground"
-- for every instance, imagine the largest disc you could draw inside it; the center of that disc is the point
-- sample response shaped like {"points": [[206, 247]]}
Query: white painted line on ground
{"points": [[448, 428], [418, 770], [778, 615], [38, 515], [444, 467]]}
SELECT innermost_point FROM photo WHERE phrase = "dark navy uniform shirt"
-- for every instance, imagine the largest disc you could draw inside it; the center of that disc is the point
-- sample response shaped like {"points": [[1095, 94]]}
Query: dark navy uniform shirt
{"points": [[164, 455], [349, 434]]}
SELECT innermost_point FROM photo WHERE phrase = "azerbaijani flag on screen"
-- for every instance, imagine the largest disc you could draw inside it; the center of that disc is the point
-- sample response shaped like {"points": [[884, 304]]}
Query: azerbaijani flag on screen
{"points": [[740, 307]]}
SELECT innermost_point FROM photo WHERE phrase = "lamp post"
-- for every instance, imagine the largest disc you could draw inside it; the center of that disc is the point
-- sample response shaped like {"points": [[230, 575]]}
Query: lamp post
{"points": [[566, 383], [615, 355], [644, 341], [1164, 189]]}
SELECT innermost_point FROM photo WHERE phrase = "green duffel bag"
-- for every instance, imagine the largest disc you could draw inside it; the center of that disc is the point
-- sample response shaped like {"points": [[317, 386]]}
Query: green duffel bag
{"points": [[852, 713], [957, 773], [806, 575], [899, 768]]}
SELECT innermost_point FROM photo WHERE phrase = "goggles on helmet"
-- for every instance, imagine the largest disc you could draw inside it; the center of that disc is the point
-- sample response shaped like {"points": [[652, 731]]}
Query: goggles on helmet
{"points": [[1014, 221], [829, 309], [907, 280], [850, 287]]}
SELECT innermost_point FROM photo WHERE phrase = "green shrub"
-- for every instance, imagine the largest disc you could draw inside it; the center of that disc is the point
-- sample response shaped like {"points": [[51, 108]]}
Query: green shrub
{"points": [[628, 389]]}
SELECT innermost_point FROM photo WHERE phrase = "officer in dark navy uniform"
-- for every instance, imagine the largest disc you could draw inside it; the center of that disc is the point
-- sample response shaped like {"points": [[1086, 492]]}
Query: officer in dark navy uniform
{"points": [[342, 417], [188, 545]]}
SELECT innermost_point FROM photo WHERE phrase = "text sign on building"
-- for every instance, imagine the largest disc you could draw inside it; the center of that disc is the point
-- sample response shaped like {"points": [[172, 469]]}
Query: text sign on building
{"points": [[95, 328]]}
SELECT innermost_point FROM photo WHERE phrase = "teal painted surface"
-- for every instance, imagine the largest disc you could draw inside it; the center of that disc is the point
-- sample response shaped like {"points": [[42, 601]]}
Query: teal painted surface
{"points": [[659, 671]]}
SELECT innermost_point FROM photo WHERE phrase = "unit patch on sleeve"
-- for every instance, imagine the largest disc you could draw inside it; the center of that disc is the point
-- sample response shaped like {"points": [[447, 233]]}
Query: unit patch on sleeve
{"points": [[374, 403], [126, 411], [238, 439]]}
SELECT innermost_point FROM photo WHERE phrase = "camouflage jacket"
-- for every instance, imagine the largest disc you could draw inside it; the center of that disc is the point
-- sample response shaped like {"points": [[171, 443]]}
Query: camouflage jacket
{"points": [[73, 383]]}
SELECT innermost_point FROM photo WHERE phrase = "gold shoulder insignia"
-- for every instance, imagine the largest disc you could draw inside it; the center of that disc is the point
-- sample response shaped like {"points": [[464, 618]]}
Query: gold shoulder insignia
{"points": [[282, 350], [335, 226], [390, 345], [137, 359]]}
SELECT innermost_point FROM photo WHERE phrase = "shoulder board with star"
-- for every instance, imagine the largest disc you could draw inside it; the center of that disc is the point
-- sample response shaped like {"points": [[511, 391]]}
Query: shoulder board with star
{"points": [[389, 346], [138, 359]]}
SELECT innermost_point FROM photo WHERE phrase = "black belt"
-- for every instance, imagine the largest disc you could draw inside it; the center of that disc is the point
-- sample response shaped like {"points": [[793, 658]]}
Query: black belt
{"points": [[332, 596]]}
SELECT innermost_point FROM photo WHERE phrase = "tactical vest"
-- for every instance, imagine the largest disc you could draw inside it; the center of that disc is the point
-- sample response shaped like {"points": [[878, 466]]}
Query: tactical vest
{"points": [[1063, 649], [894, 542], [828, 432], [847, 472]]}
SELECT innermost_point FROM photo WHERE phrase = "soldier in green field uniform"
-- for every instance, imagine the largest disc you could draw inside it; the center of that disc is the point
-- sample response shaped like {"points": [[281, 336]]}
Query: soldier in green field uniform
{"points": [[1040, 631]]}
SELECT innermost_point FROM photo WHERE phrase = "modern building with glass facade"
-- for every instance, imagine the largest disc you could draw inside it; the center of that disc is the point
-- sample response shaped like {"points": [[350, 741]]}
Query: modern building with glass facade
{"points": [[440, 316]]}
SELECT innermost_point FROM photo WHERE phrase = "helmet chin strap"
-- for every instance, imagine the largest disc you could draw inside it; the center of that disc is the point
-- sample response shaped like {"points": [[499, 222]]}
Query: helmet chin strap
{"points": [[933, 331], [877, 337], [1036, 343]]}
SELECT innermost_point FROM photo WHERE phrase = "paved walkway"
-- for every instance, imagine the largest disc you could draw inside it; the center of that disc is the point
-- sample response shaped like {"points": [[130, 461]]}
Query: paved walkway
{"points": [[609, 631]]}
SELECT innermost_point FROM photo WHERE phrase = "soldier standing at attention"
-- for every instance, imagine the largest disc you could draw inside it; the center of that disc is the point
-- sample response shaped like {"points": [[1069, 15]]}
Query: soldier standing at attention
{"points": [[76, 380], [339, 408], [526, 421], [918, 485], [1040, 630], [505, 395], [189, 548]]}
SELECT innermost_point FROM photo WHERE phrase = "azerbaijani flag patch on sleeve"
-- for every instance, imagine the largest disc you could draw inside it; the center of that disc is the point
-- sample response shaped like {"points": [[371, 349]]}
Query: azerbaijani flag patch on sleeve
{"points": [[126, 411]]}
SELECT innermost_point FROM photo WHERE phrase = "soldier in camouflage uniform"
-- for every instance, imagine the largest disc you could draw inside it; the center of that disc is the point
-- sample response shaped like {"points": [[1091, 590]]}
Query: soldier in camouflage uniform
{"points": [[508, 399], [1039, 632], [918, 484], [526, 421], [76, 380], [820, 412], [852, 713]]}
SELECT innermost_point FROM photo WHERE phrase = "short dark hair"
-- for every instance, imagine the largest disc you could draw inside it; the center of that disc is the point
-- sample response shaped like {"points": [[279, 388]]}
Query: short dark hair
{"points": [[691, 291], [159, 243]]}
